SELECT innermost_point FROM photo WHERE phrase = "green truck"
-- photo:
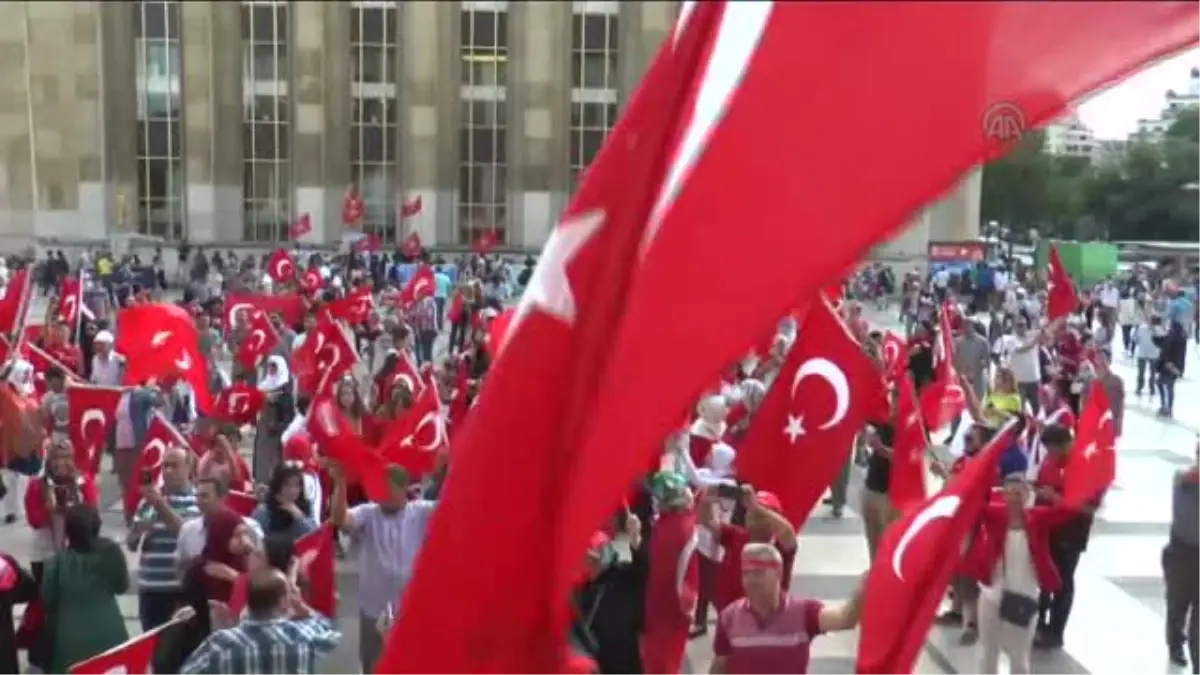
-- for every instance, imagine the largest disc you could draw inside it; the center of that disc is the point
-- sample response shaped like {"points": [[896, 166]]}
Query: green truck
{"points": [[1087, 262]]}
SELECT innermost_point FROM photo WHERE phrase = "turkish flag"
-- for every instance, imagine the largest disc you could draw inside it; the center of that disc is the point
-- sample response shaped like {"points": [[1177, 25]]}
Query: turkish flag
{"points": [[1061, 297], [722, 139], [280, 266], [70, 301], [160, 341], [93, 412], [14, 304], [485, 242], [411, 207], [943, 400], [312, 281], [1092, 463], [239, 404], [895, 356], [42, 363], [421, 285], [368, 243], [341, 442], [353, 207], [803, 432], [241, 503], [909, 444], [289, 306], [316, 562], [498, 330], [411, 246], [404, 371], [132, 656], [355, 308], [301, 227], [917, 556], [147, 466], [324, 356], [459, 404], [414, 439], [259, 342]]}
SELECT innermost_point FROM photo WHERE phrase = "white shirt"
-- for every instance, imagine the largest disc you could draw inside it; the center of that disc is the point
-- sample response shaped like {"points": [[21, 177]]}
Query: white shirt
{"points": [[1014, 571], [1026, 366], [191, 539]]}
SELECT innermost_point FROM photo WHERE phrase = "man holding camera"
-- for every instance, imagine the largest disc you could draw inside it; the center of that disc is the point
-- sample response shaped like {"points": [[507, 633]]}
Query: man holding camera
{"points": [[155, 529]]}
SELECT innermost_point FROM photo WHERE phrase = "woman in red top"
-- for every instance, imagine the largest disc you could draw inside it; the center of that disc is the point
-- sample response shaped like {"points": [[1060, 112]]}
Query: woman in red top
{"points": [[58, 345]]}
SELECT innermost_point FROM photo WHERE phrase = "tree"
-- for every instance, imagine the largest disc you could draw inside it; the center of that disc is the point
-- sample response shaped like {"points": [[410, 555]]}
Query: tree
{"points": [[1150, 194]]}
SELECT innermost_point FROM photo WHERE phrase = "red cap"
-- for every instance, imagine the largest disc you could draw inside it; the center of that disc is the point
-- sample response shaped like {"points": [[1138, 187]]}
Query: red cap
{"points": [[299, 448], [769, 500]]}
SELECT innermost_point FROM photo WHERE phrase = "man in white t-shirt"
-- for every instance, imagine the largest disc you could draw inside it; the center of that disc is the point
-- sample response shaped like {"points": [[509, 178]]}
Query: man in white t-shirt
{"points": [[1024, 360]]}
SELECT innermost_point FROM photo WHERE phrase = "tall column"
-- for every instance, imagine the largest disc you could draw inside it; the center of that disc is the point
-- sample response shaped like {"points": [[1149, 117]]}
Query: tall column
{"points": [[642, 27], [430, 115], [199, 36], [320, 89], [539, 97], [955, 217], [118, 103]]}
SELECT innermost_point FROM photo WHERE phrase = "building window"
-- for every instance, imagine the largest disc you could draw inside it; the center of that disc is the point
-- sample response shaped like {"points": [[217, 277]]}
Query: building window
{"points": [[593, 85], [483, 146], [266, 131], [159, 81], [373, 138]]}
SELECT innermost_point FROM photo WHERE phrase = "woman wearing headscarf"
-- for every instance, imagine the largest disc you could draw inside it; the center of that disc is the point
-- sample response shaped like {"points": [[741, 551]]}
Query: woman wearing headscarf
{"points": [[673, 581], [80, 592], [21, 435], [276, 415], [47, 500], [228, 539]]}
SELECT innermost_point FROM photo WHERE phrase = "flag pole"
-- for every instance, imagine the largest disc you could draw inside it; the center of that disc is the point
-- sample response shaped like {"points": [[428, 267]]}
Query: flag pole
{"points": [[78, 306]]}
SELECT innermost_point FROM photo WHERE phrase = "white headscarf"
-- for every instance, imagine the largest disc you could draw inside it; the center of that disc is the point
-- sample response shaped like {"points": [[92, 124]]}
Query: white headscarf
{"points": [[753, 393], [281, 376], [21, 377]]}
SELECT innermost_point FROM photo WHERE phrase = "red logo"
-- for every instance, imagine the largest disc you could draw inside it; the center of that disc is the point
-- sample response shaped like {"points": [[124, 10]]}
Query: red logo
{"points": [[1003, 125]]}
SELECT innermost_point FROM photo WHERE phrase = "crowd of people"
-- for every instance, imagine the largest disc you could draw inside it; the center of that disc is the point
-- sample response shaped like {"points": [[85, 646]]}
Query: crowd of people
{"points": [[337, 374]]}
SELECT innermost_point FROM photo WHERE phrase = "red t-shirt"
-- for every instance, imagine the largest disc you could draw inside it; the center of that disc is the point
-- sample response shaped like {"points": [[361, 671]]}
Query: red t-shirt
{"points": [[1051, 472], [729, 575], [779, 643]]}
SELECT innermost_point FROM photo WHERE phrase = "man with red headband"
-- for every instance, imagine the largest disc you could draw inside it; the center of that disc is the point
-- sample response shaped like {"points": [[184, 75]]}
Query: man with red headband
{"points": [[766, 631]]}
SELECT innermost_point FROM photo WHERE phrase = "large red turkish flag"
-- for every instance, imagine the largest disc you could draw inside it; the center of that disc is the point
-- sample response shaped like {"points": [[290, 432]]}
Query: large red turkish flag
{"points": [[906, 484], [1092, 462], [734, 148], [803, 432], [147, 466], [93, 412], [161, 341], [316, 562], [1061, 297], [916, 558], [943, 400], [132, 656]]}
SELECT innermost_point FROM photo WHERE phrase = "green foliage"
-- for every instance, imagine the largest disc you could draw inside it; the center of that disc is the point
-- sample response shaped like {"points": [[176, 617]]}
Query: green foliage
{"points": [[1148, 193]]}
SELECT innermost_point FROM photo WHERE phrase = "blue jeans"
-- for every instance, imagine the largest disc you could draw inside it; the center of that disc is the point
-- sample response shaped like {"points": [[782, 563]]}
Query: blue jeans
{"points": [[1166, 390], [156, 607]]}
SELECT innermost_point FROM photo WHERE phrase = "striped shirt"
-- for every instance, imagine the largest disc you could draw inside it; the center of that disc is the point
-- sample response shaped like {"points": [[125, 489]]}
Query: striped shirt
{"points": [[156, 571], [273, 646]]}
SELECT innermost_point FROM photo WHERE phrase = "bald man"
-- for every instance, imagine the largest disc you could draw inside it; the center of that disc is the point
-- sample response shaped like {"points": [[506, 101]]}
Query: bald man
{"points": [[155, 528], [767, 631]]}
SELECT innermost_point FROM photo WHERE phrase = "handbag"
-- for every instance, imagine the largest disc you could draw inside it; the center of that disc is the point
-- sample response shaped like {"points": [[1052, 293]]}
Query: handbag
{"points": [[1017, 609]]}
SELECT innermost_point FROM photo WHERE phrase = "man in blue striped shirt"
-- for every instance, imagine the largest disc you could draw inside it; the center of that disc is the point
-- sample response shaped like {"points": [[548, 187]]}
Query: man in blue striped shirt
{"points": [[155, 527], [280, 634]]}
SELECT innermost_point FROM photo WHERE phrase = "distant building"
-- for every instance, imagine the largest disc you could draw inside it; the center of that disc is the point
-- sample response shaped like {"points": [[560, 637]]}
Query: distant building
{"points": [[1108, 152], [1174, 103], [1070, 137]]}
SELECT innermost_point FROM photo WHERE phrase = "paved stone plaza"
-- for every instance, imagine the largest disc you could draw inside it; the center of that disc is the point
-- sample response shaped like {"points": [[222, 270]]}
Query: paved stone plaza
{"points": [[1119, 575]]}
